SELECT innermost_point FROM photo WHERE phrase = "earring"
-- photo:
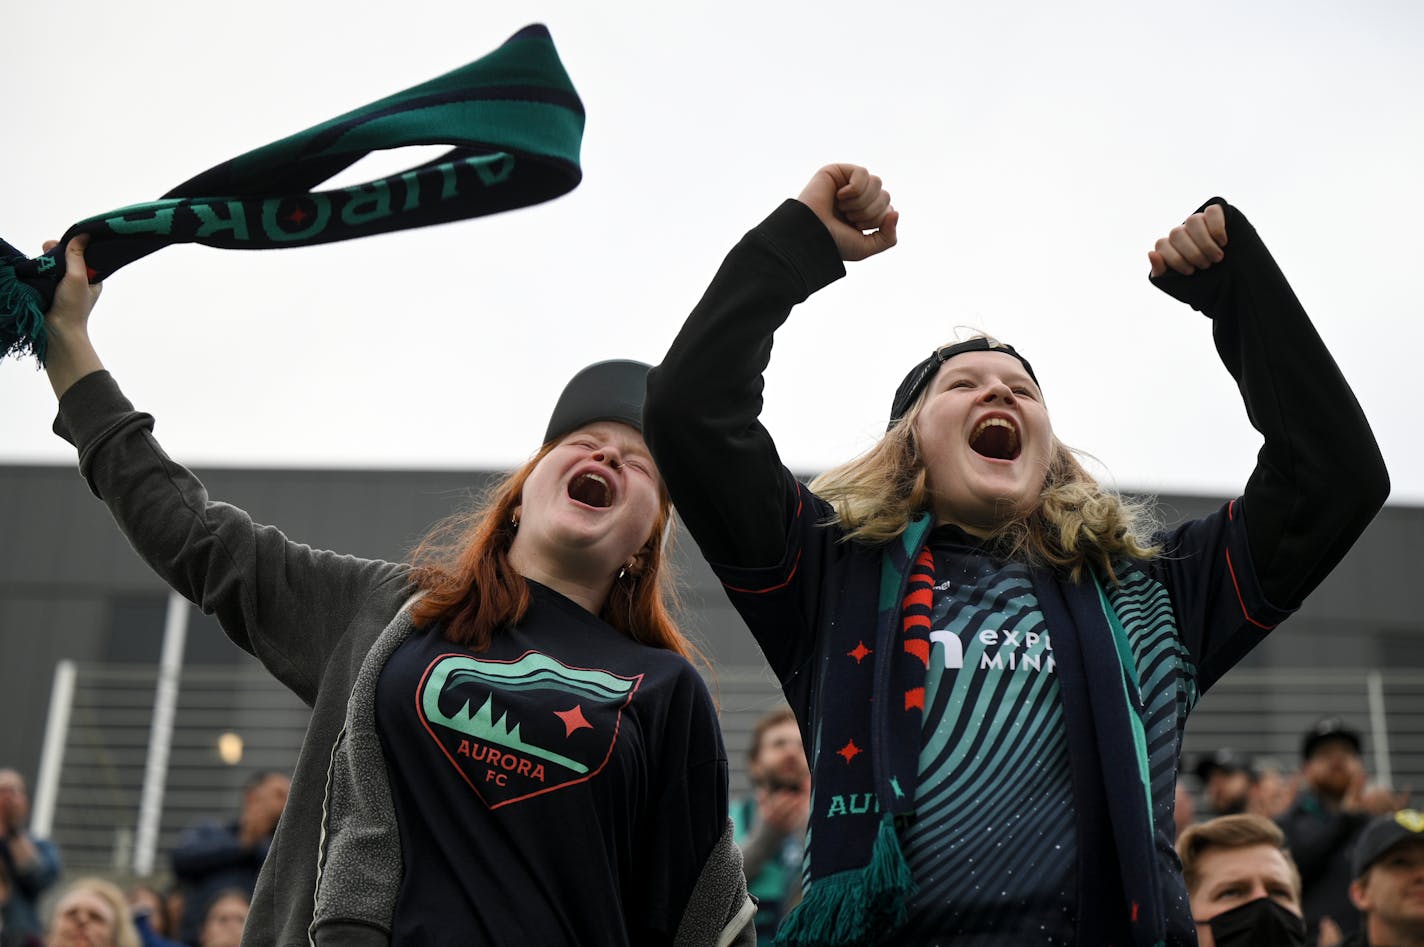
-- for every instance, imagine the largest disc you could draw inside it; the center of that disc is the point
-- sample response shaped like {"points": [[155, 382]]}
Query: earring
{"points": [[622, 572], [514, 520]]}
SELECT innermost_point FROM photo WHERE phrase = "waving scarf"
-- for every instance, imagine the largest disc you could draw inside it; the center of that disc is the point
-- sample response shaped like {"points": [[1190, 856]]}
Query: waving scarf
{"points": [[512, 118]]}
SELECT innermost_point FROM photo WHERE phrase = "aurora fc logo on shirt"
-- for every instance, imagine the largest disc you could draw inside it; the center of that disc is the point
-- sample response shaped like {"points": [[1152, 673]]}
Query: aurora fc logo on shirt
{"points": [[518, 729]]}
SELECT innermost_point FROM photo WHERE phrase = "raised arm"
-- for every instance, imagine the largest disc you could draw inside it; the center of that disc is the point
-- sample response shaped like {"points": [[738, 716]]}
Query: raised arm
{"points": [[1319, 476], [31, 864], [283, 602], [704, 400]]}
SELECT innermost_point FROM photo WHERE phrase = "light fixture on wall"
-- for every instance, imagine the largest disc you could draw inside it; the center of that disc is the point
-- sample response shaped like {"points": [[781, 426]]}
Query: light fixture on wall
{"points": [[230, 748]]}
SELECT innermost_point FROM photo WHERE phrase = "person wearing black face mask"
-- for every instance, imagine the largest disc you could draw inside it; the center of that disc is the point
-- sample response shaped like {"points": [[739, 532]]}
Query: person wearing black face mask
{"points": [[1243, 886]]}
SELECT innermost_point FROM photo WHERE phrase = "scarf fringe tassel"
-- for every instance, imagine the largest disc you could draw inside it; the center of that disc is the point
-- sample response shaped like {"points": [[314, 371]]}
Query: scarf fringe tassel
{"points": [[21, 318], [856, 906]]}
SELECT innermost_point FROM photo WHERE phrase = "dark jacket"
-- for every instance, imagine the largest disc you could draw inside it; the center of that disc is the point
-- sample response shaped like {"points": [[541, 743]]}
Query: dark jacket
{"points": [[1227, 579], [210, 859], [1320, 838], [19, 916]]}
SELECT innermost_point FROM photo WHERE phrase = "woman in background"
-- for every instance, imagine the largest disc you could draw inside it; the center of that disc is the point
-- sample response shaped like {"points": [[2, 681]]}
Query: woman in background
{"points": [[91, 912]]}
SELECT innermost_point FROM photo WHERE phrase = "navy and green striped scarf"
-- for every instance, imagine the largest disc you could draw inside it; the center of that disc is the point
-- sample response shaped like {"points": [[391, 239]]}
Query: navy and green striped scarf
{"points": [[859, 884], [512, 119]]}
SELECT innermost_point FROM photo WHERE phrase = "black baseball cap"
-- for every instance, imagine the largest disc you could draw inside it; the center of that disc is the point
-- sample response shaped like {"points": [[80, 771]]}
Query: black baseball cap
{"points": [[1382, 834], [921, 374], [604, 391], [1226, 760], [1327, 729]]}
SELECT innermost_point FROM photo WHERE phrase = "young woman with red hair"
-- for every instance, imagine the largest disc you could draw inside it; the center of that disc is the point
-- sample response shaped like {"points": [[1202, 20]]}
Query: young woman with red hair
{"points": [[508, 742]]}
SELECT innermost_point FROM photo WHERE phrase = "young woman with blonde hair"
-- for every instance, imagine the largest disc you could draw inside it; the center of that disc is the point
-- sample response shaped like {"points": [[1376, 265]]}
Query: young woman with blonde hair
{"points": [[991, 657], [1075, 521]]}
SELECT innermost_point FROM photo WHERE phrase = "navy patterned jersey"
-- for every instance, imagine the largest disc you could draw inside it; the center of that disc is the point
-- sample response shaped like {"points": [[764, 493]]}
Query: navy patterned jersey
{"points": [[993, 847]]}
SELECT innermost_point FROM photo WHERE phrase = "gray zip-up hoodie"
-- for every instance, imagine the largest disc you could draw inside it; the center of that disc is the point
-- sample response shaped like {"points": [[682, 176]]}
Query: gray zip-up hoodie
{"points": [[323, 624]]}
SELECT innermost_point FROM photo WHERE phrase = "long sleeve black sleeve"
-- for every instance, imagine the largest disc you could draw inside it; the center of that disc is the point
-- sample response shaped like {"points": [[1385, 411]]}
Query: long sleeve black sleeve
{"points": [[700, 418], [1319, 476]]}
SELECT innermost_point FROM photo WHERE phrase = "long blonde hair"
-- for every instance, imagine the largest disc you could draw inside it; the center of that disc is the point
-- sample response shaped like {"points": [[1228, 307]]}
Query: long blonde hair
{"points": [[1076, 522]]}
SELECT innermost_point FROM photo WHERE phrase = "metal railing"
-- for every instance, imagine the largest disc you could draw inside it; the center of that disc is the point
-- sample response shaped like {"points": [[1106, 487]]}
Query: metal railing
{"points": [[92, 786], [1266, 713], [99, 759]]}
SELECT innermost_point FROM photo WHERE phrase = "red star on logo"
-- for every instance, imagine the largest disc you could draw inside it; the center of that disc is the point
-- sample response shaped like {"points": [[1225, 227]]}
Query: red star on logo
{"points": [[850, 751], [860, 652], [297, 216], [573, 720]]}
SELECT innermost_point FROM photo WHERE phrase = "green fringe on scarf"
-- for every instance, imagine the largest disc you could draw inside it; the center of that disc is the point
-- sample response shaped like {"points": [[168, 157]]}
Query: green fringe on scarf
{"points": [[855, 907], [22, 331]]}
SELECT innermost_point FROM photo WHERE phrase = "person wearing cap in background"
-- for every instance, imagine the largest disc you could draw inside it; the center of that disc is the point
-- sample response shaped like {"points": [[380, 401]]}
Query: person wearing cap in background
{"points": [[990, 656], [1243, 886], [1333, 805], [1234, 782], [1388, 888], [1226, 777], [508, 743]]}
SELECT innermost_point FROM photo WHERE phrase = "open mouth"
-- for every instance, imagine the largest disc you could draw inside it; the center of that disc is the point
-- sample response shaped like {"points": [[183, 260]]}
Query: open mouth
{"points": [[591, 490], [996, 438]]}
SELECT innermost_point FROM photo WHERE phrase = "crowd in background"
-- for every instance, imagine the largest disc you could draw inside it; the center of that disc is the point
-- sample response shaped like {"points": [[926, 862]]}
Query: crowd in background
{"points": [[213, 869], [1261, 842], [1339, 837]]}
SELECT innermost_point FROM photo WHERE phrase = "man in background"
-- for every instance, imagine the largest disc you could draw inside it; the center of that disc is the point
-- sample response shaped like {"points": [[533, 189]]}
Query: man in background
{"points": [[1332, 807], [1389, 881], [28, 865], [1243, 887], [1226, 778], [771, 826], [214, 856]]}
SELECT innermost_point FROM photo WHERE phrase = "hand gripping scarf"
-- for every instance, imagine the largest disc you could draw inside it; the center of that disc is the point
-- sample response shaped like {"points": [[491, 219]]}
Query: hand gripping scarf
{"points": [[514, 123]]}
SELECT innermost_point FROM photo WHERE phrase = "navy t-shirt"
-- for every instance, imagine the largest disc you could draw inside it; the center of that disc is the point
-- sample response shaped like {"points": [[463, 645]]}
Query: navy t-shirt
{"points": [[564, 786]]}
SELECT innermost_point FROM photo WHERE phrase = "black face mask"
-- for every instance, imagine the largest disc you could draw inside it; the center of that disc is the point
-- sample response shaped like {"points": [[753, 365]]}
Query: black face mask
{"points": [[1258, 923]]}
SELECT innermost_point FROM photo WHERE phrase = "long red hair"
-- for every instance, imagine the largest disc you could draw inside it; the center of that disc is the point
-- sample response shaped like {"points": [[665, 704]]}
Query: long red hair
{"points": [[462, 566]]}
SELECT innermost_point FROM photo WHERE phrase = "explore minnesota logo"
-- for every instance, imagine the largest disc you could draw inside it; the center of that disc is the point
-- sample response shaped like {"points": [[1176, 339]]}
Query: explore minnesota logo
{"points": [[999, 649], [518, 729]]}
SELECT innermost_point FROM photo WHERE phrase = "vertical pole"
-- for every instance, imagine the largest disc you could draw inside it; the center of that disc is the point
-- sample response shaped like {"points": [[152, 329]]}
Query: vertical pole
{"points": [[61, 701], [1379, 733], [160, 737]]}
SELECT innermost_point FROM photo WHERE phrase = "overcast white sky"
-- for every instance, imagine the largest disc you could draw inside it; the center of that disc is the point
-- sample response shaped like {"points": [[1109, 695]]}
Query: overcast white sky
{"points": [[1035, 151]]}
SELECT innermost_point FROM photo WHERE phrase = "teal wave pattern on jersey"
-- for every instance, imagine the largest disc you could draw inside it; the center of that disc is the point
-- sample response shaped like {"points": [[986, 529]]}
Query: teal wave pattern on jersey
{"points": [[993, 847]]}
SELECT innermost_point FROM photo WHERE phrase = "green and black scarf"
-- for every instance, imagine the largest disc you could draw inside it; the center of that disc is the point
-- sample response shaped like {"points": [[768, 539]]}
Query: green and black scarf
{"points": [[512, 118]]}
